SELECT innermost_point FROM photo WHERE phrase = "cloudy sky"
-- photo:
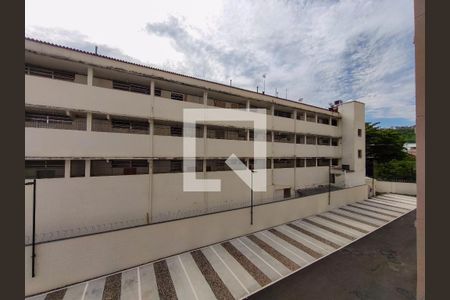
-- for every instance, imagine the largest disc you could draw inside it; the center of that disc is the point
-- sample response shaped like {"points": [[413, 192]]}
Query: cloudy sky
{"points": [[316, 50]]}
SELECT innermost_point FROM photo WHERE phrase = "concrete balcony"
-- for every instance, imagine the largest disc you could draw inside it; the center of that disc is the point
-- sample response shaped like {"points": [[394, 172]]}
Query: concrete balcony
{"points": [[172, 146], [168, 109], [283, 149], [283, 124], [304, 127], [303, 150], [224, 148], [45, 142], [58, 93]]}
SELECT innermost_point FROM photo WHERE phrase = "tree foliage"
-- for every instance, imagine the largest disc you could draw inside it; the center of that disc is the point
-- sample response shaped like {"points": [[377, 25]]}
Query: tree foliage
{"points": [[384, 148]]}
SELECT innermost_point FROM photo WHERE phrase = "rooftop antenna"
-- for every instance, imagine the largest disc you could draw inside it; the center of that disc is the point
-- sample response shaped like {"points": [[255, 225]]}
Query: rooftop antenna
{"points": [[96, 49], [276, 92], [231, 81], [264, 88], [257, 87], [286, 93]]}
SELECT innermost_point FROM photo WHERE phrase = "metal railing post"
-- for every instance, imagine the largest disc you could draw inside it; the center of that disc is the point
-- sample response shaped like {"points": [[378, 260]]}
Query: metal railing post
{"points": [[33, 255]]}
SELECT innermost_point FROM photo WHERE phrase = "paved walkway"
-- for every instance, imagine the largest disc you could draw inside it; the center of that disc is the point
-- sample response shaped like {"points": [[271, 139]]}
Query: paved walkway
{"points": [[239, 267]]}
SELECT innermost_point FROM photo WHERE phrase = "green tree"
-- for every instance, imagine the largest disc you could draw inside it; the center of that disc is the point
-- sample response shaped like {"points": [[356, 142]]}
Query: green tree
{"points": [[384, 147]]}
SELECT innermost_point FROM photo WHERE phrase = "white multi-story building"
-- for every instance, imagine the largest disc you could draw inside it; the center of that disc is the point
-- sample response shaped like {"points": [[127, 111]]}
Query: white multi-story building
{"points": [[103, 137]]}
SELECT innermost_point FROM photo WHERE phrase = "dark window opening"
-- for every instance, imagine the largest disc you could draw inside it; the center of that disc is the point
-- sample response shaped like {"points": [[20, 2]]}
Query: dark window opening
{"points": [[359, 153], [310, 117], [37, 169], [300, 162], [283, 163], [334, 162], [300, 139], [131, 87], [282, 137], [252, 165], [359, 132], [323, 120], [213, 165], [119, 124], [310, 162], [158, 92], [77, 168], [283, 114], [176, 96], [54, 119], [334, 122], [227, 133], [324, 141], [300, 115], [287, 193], [119, 167], [323, 162], [310, 139], [334, 142], [49, 73]]}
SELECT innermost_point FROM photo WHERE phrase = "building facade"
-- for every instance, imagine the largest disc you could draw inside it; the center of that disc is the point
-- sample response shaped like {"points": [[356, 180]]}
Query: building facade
{"points": [[104, 139]]}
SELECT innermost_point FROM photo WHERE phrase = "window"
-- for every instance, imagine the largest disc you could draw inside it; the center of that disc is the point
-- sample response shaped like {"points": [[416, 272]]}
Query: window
{"points": [[334, 142], [283, 114], [310, 162], [49, 73], [300, 115], [346, 167], [77, 168], [359, 153], [300, 162], [171, 129], [323, 120], [287, 193], [283, 163], [359, 132], [227, 133], [56, 119], [44, 169], [282, 137], [213, 165], [198, 166], [268, 134], [323, 162], [324, 141], [300, 139], [310, 117], [131, 87], [310, 139], [119, 124], [158, 92], [118, 167], [252, 166], [334, 122], [334, 162], [176, 96]]}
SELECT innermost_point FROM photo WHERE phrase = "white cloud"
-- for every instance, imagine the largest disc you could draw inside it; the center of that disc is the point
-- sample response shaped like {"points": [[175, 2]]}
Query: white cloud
{"points": [[318, 50]]}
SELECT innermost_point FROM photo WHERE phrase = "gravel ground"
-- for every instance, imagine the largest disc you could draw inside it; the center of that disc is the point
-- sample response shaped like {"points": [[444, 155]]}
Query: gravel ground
{"points": [[219, 289], [164, 282], [112, 287], [314, 236], [295, 243], [283, 259], [256, 273]]}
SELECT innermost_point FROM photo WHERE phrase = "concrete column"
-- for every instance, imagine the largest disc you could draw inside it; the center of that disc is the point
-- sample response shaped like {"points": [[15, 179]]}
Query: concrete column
{"points": [[152, 88], [205, 98], [247, 105], [90, 76], [89, 121], [150, 191], [87, 168], [67, 168]]}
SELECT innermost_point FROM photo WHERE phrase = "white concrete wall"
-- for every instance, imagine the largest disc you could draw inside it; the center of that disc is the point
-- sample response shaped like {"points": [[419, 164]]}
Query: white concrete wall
{"points": [[45, 142], [73, 203], [405, 188], [90, 256]]}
